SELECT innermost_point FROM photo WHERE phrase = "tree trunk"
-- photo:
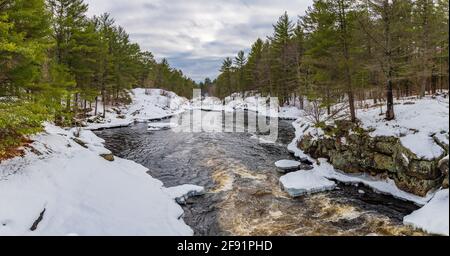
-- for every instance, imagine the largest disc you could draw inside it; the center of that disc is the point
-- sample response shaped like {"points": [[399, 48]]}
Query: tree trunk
{"points": [[390, 99], [96, 106], [390, 115], [104, 103]]}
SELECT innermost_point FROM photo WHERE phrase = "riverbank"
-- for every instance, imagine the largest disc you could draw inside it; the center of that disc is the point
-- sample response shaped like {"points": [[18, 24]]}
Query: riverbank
{"points": [[68, 183], [256, 103], [70, 175], [146, 105], [421, 128], [65, 186]]}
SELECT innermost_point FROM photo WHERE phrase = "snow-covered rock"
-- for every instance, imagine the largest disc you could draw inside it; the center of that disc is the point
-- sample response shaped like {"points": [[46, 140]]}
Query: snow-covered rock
{"points": [[305, 182], [380, 185], [287, 165], [184, 192], [61, 188], [434, 216], [414, 124]]}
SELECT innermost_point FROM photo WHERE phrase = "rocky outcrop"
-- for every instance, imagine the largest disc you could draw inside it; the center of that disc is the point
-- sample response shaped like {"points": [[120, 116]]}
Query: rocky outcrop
{"points": [[351, 149], [443, 166]]}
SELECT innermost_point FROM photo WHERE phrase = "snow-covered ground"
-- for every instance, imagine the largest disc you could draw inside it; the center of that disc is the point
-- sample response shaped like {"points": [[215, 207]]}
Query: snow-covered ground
{"points": [[156, 104], [323, 168], [256, 103], [433, 217], [62, 187], [147, 104], [415, 124]]}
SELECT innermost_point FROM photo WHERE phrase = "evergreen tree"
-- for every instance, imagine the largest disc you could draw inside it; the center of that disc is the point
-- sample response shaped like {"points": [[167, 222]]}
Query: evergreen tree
{"points": [[254, 65], [284, 65], [24, 102], [240, 62]]}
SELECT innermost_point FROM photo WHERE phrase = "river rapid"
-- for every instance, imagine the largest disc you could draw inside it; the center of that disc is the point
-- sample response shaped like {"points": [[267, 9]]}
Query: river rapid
{"points": [[243, 194]]}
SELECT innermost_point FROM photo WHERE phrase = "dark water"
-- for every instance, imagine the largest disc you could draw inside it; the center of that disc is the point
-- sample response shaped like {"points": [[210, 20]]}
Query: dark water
{"points": [[243, 192]]}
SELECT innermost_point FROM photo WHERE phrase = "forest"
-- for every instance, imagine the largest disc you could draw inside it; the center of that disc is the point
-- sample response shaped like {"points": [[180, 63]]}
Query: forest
{"points": [[101, 136], [347, 51], [56, 64]]}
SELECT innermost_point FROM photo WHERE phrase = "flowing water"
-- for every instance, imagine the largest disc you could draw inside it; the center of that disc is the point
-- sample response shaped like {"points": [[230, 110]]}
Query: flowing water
{"points": [[244, 196]]}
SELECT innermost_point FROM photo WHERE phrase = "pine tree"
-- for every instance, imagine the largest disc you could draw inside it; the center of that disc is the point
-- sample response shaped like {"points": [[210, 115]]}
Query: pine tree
{"points": [[226, 69], [388, 38], [240, 62], [24, 103], [284, 66], [254, 65]]}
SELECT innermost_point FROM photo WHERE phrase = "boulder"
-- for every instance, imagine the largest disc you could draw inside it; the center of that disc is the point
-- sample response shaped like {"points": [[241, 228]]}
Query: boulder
{"points": [[443, 166], [385, 145], [108, 157], [414, 185], [345, 161], [356, 152], [383, 163], [423, 170]]}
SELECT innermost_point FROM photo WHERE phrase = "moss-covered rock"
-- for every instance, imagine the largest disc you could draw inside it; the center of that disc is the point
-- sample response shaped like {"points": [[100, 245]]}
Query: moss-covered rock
{"points": [[384, 163], [385, 145], [423, 170], [443, 166], [345, 161], [445, 182], [355, 152], [415, 185]]}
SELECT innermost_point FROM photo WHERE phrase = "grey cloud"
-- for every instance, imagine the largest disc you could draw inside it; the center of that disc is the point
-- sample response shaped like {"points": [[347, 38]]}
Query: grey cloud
{"points": [[196, 35]]}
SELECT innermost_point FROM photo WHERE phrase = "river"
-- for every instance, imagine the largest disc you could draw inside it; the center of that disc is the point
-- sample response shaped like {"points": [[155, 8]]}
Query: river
{"points": [[244, 196]]}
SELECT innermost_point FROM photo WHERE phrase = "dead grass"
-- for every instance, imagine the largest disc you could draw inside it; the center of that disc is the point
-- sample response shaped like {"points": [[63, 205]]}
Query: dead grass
{"points": [[14, 151]]}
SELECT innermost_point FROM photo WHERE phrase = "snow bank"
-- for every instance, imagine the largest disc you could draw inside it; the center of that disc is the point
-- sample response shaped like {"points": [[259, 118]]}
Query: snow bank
{"points": [[61, 188], [254, 103], [147, 105], [433, 217], [161, 126], [415, 125], [300, 126], [421, 127], [383, 186], [305, 182]]}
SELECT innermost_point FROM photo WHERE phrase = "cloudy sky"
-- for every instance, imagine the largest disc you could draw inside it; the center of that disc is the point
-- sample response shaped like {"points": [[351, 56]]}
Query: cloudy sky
{"points": [[195, 35]]}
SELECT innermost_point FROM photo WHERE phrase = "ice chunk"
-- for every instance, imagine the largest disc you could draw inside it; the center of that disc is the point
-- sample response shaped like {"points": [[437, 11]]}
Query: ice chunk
{"points": [[305, 182], [183, 192], [288, 165]]}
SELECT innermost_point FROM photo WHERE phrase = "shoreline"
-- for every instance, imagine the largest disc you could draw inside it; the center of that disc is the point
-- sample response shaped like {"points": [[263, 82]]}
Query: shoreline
{"points": [[94, 147]]}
